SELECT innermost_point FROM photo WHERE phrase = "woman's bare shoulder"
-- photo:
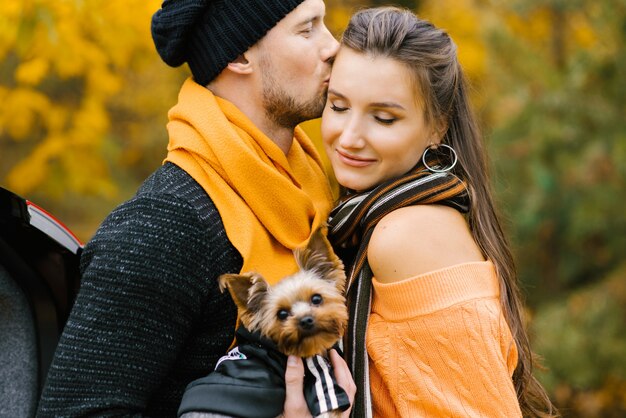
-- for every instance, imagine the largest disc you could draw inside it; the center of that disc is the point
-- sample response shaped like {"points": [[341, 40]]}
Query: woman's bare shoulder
{"points": [[418, 239]]}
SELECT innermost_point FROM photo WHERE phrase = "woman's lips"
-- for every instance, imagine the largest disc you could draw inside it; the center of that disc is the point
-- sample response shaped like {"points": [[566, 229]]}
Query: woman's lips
{"points": [[354, 161]]}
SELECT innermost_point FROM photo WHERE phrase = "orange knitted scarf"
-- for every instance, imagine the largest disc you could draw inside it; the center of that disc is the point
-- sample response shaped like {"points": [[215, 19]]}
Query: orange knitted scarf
{"points": [[270, 203]]}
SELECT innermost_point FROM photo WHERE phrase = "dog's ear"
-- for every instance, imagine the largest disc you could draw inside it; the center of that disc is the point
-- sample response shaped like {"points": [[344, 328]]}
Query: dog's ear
{"points": [[247, 290], [319, 256]]}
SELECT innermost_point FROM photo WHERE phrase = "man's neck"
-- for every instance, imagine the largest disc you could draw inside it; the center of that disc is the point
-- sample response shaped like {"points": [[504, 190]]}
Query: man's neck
{"points": [[281, 136]]}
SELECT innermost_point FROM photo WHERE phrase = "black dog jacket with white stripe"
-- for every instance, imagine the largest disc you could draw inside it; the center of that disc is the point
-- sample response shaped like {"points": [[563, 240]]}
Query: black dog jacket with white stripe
{"points": [[250, 382]]}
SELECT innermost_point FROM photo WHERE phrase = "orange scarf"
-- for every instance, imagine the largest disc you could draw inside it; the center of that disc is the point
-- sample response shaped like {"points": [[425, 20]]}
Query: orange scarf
{"points": [[270, 203]]}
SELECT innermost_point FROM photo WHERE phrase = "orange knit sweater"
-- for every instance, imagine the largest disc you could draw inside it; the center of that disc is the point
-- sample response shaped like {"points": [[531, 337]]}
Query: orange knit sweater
{"points": [[439, 346]]}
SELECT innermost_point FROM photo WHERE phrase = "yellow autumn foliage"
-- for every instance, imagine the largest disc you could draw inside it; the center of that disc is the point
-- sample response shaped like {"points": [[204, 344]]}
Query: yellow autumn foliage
{"points": [[31, 72], [536, 26], [463, 20], [64, 62]]}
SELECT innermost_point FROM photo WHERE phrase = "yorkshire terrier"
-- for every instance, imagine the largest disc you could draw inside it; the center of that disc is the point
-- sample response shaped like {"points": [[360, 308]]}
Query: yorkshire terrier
{"points": [[303, 315]]}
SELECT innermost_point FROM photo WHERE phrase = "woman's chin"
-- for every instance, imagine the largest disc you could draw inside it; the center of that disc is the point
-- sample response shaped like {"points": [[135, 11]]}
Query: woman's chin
{"points": [[357, 185]]}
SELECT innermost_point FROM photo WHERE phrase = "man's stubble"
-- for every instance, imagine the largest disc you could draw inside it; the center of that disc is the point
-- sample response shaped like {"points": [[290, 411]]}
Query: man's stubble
{"points": [[284, 109]]}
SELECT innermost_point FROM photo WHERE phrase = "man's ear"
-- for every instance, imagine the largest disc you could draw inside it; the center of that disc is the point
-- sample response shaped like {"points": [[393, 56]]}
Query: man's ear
{"points": [[240, 65]]}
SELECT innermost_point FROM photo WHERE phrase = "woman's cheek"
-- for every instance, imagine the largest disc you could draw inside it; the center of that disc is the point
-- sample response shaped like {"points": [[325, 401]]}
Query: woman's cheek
{"points": [[329, 129]]}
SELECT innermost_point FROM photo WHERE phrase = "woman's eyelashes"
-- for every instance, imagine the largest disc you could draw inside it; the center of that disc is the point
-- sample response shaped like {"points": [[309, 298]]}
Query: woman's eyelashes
{"points": [[336, 108], [384, 119]]}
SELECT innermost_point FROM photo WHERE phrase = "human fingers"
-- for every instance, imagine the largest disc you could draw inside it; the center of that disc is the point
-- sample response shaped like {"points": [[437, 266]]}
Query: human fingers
{"points": [[295, 404], [344, 378]]}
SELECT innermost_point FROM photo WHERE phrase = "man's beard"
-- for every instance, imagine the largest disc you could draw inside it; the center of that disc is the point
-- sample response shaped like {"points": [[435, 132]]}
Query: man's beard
{"points": [[286, 110]]}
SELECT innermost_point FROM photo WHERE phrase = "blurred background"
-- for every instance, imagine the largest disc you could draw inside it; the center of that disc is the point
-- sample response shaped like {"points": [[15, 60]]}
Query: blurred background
{"points": [[83, 107]]}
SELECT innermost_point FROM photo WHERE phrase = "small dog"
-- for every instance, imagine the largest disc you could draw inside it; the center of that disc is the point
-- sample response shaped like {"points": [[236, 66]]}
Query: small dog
{"points": [[304, 315]]}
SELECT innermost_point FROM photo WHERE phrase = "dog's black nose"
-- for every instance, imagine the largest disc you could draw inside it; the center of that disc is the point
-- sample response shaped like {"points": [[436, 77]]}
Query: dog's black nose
{"points": [[307, 322]]}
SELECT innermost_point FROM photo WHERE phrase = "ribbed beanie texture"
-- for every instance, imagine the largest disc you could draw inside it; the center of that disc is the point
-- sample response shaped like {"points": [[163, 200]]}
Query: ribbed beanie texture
{"points": [[208, 34]]}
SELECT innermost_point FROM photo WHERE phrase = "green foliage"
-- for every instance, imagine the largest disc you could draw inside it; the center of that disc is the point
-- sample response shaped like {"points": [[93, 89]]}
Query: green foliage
{"points": [[558, 141], [582, 341], [556, 110]]}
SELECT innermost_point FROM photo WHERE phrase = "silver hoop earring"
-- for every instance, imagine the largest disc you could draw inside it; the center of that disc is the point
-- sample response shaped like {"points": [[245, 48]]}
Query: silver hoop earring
{"points": [[435, 148]]}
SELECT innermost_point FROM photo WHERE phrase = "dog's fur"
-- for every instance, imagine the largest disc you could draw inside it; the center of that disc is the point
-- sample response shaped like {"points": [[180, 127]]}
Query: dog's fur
{"points": [[308, 328], [304, 314]]}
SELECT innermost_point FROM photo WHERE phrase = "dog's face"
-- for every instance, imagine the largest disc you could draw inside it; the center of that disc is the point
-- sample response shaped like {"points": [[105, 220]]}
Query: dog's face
{"points": [[305, 313]]}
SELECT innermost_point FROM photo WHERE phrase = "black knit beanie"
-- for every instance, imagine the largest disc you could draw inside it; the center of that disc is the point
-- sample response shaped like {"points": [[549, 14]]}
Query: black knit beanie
{"points": [[208, 34]]}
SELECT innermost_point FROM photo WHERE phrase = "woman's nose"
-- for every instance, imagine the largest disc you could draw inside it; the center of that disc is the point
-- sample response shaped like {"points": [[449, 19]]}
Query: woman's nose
{"points": [[351, 136]]}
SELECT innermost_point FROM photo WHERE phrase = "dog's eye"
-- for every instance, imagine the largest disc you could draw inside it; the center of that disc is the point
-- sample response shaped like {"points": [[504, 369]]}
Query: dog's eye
{"points": [[282, 314], [316, 299]]}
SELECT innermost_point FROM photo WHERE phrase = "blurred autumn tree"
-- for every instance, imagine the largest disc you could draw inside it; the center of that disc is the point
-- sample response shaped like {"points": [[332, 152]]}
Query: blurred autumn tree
{"points": [[83, 101], [84, 98], [556, 108], [559, 130], [582, 341]]}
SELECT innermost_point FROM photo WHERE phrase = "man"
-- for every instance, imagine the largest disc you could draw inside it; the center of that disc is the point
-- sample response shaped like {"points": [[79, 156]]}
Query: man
{"points": [[241, 187]]}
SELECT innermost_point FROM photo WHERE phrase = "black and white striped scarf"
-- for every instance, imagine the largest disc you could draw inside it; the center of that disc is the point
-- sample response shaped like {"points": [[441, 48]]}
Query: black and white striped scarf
{"points": [[351, 224]]}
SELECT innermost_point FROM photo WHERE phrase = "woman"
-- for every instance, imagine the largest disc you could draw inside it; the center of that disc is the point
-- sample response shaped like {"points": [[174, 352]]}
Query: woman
{"points": [[436, 317]]}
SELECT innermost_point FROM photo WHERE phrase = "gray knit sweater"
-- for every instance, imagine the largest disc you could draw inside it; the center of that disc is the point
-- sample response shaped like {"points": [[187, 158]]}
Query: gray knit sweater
{"points": [[149, 317]]}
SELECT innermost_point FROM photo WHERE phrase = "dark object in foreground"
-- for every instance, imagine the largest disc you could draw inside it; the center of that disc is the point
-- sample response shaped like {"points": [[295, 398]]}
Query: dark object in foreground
{"points": [[39, 279]]}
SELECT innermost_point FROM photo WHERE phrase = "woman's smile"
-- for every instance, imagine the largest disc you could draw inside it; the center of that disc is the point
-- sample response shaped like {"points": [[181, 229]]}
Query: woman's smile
{"points": [[353, 160]]}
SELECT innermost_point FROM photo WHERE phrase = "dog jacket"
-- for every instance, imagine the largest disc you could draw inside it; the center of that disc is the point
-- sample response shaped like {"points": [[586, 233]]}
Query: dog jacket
{"points": [[249, 382]]}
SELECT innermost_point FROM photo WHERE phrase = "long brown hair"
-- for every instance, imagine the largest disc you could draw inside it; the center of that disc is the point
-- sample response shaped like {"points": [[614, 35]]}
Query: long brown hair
{"points": [[431, 56]]}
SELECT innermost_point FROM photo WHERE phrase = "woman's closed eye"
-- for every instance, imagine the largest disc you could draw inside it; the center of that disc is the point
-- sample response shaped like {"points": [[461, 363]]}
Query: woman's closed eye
{"points": [[337, 108], [385, 120]]}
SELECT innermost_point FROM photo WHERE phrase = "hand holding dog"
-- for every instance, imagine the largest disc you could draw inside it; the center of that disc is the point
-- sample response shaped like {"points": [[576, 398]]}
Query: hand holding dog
{"points": [[295, 404]]}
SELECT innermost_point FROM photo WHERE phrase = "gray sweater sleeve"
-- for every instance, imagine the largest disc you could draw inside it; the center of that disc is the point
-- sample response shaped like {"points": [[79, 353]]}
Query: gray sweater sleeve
{"points": [[143, 285]]}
